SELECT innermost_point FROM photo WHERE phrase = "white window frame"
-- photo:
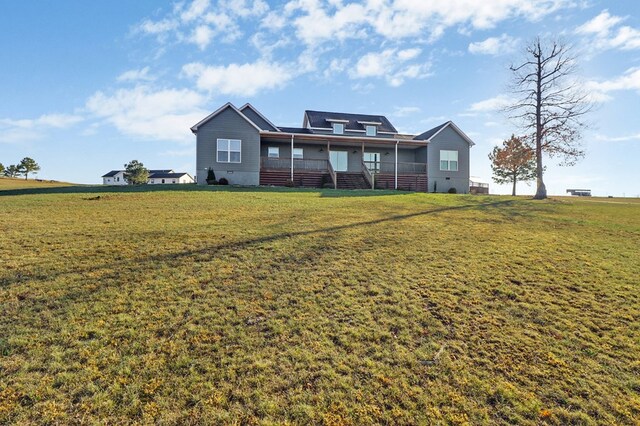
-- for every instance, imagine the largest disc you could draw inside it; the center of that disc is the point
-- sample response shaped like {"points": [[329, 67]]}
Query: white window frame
{"points": [[273, 150], [371, 130], [228, 150], [298, 153], [337, 126], [449, 158]]}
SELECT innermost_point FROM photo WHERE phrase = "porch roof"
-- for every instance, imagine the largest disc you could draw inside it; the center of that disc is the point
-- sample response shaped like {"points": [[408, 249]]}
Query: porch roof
{"points": [[302, 134]]}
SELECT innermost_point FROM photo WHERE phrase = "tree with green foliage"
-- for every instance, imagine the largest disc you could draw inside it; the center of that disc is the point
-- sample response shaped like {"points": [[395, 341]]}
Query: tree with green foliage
{"points": [[28, 165], [12, 171], [550, 104], [135, 173], [512, 162], [1, 168]]}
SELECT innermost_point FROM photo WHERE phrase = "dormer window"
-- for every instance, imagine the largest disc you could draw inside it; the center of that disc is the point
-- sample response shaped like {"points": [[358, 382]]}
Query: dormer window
{"points": [[338, 128], [371, 130]]}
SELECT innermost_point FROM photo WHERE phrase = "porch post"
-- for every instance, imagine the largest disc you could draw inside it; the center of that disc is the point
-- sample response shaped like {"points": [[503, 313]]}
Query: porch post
{"points": [[396, 167], [292, 157]]}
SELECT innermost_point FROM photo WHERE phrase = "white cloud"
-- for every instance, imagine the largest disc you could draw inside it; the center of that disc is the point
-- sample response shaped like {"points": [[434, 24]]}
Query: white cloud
{"points": [[136, 75], [23, 130], [492, 104], [165, 114], [606, 33], [600, 25], [391, 65], [408, 54], [201, 36], [157, 28], [245, 8], [202, 21], [316, 25], [238, 79], [626, 138], [405, 111], [196, 9], [408, 18], [494, 45], [599, 90]]}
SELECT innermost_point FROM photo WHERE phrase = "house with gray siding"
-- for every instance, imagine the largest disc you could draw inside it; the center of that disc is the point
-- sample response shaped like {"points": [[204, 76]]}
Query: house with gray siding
{"points": [[330, 149]]}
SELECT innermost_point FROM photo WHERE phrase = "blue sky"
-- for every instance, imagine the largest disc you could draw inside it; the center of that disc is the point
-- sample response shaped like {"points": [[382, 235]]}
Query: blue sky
{"points": [[89, 85]]}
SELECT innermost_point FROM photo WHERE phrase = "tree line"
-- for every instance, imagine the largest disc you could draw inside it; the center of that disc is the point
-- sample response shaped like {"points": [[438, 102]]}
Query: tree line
{"points": [[23, 168]]}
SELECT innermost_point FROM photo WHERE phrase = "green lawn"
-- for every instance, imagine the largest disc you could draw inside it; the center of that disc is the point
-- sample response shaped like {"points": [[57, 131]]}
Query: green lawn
{"points": [[190, 305]]}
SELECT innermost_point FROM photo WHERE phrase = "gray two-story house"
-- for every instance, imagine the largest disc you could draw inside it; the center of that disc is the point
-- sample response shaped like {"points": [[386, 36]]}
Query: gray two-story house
{"points": [[331, 149]]}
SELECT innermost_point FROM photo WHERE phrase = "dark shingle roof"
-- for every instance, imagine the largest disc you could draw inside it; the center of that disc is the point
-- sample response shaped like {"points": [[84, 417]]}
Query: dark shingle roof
{"points": [[160, 175], [319, 119], [294, 130], [112, 173], [152, 172], [426, 135]]}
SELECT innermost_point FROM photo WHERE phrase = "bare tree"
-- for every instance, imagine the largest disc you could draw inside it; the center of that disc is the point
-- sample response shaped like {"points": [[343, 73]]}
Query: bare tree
{"points": [[550, 105]]}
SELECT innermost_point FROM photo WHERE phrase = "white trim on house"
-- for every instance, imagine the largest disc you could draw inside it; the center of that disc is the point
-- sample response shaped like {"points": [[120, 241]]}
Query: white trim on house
{"points": [[322, 137], [228, 150], [449, 157], [194, 129], [275, 150], [456, 129]]}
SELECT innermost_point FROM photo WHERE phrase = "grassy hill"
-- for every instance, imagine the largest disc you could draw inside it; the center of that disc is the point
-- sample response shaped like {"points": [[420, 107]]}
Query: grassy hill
{"points": [[188, 305], [7, 183]]}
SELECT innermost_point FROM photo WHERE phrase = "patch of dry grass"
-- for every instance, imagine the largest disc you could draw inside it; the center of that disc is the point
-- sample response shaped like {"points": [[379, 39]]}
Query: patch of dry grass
{"points": [[186, 305]]}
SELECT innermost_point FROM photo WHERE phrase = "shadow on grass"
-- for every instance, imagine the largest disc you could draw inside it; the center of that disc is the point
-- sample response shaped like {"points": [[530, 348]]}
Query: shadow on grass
{"points": [[102, 189], [239, 245]]}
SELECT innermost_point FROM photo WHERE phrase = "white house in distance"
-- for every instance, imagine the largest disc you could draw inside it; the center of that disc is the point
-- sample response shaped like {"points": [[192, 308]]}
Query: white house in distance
{"points": [[168, 176]]}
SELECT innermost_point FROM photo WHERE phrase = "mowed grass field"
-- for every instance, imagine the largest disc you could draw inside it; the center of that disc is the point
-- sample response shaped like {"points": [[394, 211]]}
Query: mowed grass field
{"points": [[229, 306]]}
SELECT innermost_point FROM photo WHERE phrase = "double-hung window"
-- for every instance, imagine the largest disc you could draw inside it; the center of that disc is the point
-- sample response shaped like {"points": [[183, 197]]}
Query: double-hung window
{"points": [[371, 130], [229, 150], [274, 152], [449, 160], [298, 153]]}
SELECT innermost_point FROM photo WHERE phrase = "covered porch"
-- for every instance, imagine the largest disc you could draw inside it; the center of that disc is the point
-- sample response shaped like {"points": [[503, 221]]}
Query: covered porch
{"points": [[343, 162]]}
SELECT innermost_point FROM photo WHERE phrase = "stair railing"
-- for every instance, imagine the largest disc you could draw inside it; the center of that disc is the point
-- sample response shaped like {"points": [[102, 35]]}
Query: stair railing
{"points": [[367, 174], [333, 175]]}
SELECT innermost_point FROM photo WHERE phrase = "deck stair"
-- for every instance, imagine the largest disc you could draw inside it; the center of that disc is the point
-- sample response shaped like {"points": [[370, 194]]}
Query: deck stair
{"points": [[349, 180]]}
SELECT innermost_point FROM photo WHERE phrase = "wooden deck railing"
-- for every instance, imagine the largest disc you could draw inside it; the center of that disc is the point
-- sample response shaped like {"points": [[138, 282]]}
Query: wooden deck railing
{"points": [[298, 164], [404, 168]]}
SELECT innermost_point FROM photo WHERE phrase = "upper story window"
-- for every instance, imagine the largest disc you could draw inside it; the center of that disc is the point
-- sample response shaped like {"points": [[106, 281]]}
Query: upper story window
{"points": [[338, 128], [298, 153], [449, 160], [229, 150], [371, 130], [274, 152]]}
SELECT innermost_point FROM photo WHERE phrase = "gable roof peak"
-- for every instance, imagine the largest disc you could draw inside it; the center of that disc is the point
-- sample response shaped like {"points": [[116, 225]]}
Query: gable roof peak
{"points": [[194, 129], [430, 134], [254, 109]]}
